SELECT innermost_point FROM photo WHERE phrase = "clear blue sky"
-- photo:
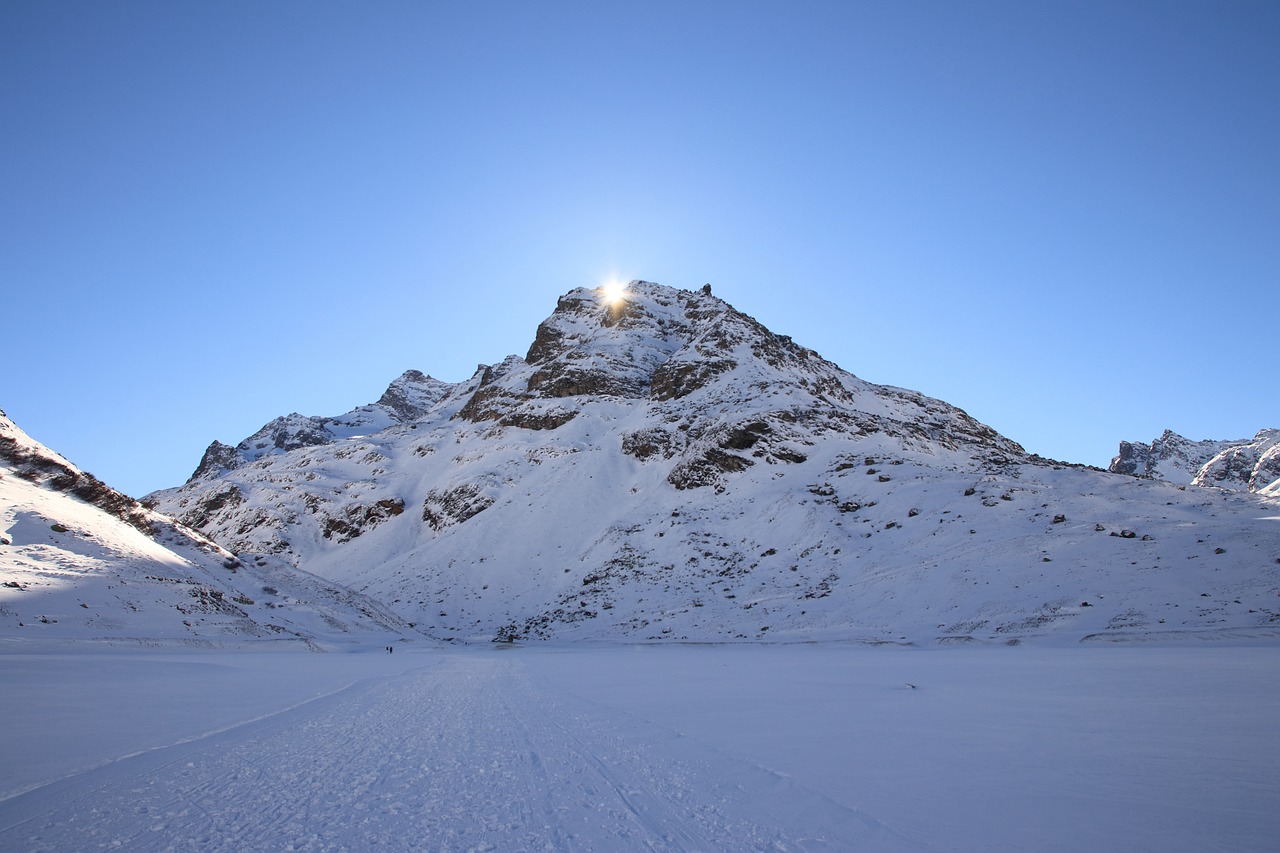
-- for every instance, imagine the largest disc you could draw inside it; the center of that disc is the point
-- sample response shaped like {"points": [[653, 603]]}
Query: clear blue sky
{"points": [[1063, 217]]}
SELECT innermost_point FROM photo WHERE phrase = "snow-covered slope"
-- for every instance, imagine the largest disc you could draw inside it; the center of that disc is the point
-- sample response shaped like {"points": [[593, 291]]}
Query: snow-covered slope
{"points": [[1246, 464], [665, 467], [80, 561]]}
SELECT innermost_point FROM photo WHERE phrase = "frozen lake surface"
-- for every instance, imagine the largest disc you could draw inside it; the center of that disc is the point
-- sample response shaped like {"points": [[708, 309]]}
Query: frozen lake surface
{"points": [[616, 748]]}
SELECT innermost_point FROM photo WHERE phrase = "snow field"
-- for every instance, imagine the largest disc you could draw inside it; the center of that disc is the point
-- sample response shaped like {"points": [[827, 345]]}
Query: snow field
{"points": [[66, 713], [806, 747]]}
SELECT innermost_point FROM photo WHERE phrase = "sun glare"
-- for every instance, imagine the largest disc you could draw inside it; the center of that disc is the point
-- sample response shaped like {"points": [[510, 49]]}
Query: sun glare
{"points": [[613, 292]]}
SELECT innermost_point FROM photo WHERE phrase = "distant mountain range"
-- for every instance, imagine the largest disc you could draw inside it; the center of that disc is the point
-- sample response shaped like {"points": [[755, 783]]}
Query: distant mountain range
{"points": [[1249, 464], [662, 467]]}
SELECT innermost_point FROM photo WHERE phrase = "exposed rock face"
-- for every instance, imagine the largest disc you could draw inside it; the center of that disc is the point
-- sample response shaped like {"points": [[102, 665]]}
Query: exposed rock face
{"points": [[573, 354], [444, 507], [1252, 465], [1133, 459], [1170, 457], [218, 458], [1243, 464], [492, 398], [412, 395], [37, 464], [357, 519]]}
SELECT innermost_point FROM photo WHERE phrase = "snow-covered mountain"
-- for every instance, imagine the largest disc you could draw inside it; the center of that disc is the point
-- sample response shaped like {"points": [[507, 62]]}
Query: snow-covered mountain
{"points": [[664, 467], [80, 561], [1246, 464]]}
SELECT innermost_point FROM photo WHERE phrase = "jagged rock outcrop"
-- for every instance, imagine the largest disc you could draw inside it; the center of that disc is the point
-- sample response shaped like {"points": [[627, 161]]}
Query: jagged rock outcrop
{"points": [[1245, 464], [411, 395], [1251, 465], [218, 457], [1170, 457]]}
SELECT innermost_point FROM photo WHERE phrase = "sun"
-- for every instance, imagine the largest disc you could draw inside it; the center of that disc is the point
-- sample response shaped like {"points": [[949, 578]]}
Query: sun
{"points": [[613, 292]]}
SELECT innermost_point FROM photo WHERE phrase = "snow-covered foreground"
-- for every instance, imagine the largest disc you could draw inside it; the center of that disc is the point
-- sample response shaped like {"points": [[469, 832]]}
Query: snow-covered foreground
{"points": [[644, 748]]}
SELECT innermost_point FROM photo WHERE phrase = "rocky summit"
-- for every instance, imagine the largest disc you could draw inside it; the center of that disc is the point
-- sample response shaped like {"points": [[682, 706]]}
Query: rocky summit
{"points": [[662, 467]]}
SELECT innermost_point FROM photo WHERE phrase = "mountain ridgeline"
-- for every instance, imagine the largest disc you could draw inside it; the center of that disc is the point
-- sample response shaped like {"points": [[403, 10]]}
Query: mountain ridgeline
{"points": [[1249, 464], [663, 467]]}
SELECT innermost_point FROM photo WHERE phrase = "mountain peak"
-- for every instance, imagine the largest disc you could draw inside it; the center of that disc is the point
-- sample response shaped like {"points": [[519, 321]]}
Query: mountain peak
{"points": [[411, 394], [614, 344]]}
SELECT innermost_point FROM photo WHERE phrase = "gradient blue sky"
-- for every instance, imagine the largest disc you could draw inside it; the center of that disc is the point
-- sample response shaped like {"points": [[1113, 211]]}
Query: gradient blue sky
{"points": [[1063, 217]]}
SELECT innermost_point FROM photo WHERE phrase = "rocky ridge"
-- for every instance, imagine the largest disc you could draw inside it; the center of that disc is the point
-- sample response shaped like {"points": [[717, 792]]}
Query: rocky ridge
{"points": [[1243, 464]]}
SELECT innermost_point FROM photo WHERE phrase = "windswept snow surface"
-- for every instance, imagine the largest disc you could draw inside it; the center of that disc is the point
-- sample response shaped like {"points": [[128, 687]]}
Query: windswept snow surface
{"points": [[784, 748]]}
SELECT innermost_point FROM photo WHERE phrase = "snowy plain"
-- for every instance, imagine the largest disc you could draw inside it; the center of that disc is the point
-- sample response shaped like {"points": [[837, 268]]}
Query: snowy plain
{"points": [[612, 747]]}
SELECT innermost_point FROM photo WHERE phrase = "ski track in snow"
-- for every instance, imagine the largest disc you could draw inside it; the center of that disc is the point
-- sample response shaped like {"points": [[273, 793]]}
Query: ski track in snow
{"points": [[468, 755]]}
